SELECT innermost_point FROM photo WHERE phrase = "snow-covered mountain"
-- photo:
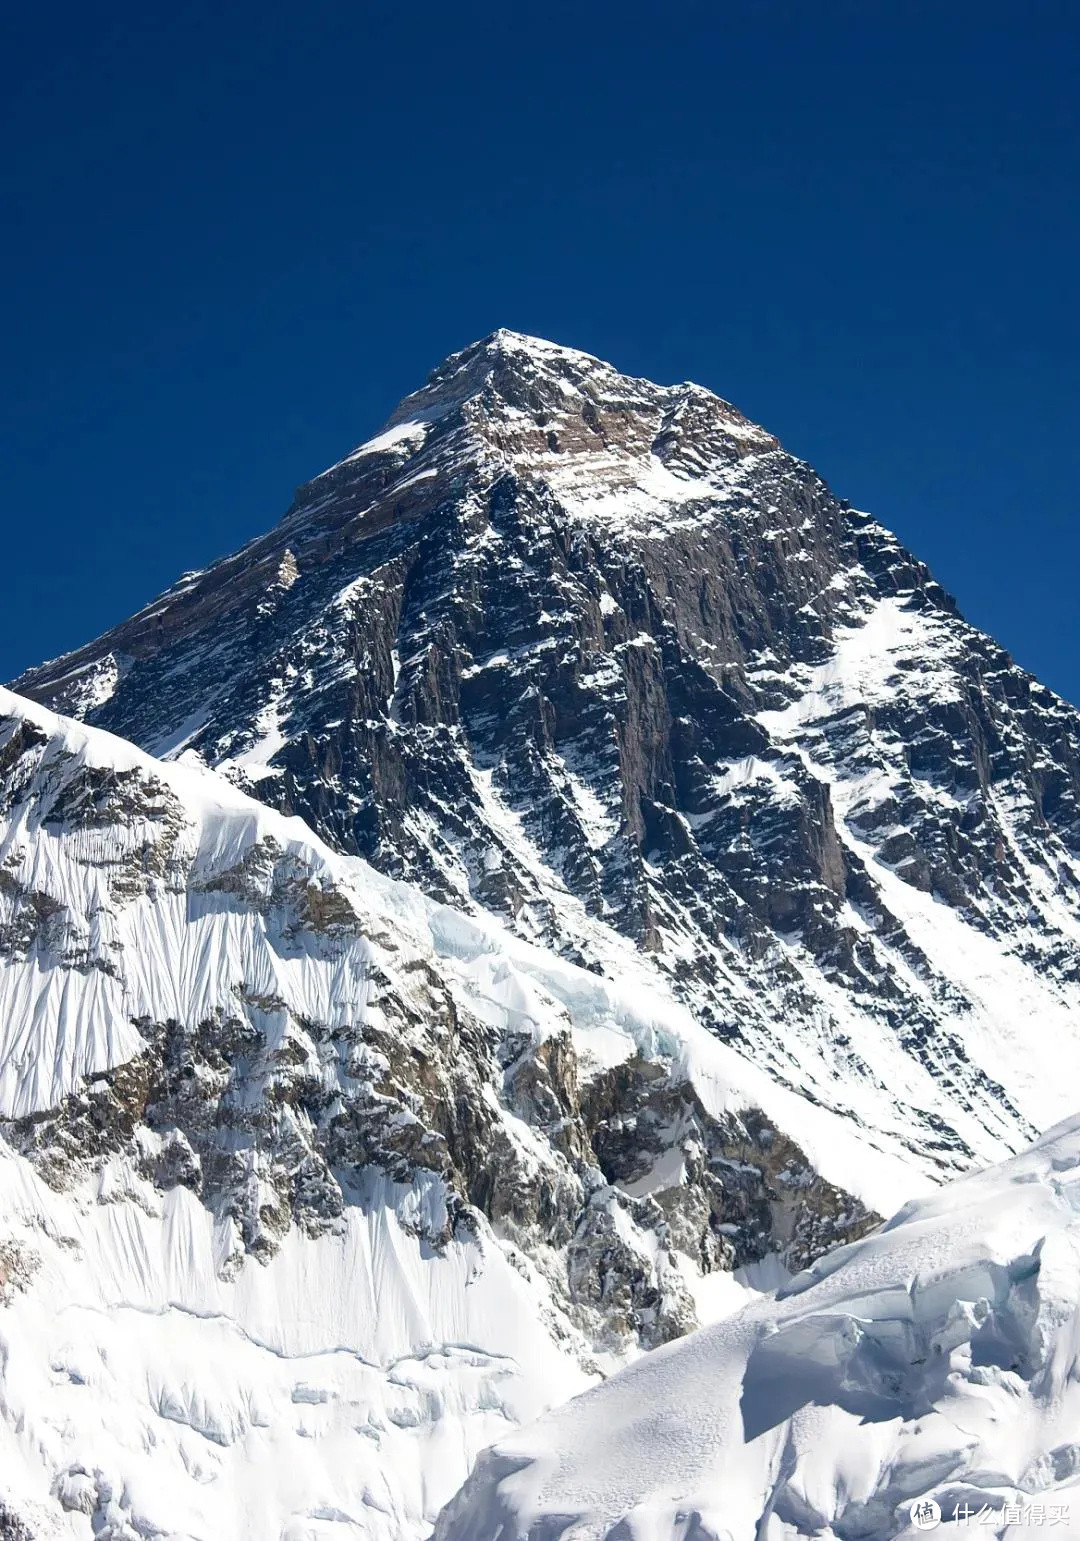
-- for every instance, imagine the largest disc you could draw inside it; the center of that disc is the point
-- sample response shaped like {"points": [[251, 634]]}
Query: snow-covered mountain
{"points": [[600, 658], [570, 875]]}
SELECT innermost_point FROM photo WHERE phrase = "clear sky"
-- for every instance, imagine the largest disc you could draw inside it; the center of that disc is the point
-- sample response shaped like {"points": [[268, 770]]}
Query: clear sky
{"points": [[235, 234]]}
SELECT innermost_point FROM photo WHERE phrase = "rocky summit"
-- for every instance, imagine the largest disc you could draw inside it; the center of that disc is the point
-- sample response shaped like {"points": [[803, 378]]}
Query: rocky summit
{"points": [[573, 871]]}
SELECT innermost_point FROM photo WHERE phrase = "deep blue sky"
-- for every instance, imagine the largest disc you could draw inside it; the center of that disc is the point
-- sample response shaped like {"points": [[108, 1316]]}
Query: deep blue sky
{"points": [[236, 234]]}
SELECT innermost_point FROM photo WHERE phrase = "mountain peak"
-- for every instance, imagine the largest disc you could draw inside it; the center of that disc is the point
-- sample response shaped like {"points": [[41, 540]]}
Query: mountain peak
{"points": [[503, 364], [518, 349], [508, 343], [555, 412]]}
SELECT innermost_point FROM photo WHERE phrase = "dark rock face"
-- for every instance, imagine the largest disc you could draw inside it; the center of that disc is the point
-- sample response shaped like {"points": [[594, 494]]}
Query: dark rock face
{"points": [[11, 1527], [601, 658]]}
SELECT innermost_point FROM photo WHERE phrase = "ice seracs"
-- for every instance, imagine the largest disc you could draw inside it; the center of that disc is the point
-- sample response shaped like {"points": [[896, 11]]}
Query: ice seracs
{"points": [[937, 1359]]}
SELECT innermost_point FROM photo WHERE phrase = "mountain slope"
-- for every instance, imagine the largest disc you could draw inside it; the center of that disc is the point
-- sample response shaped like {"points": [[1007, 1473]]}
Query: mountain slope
{"points": [[599, 658], [299, 1200], [936, 1359]]}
